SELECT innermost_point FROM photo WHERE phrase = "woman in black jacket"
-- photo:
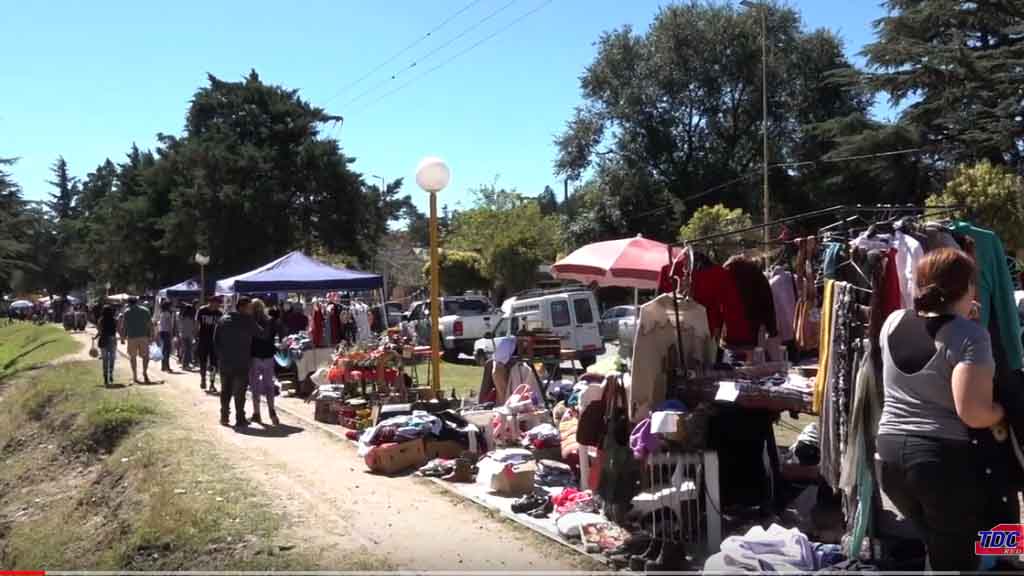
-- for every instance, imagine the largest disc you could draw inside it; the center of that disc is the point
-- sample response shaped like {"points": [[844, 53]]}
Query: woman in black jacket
{"points": [[106, 338]]}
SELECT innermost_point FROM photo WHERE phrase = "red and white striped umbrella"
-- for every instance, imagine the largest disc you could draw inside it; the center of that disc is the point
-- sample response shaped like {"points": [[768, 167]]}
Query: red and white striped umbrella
{"points": [[629, 263]]}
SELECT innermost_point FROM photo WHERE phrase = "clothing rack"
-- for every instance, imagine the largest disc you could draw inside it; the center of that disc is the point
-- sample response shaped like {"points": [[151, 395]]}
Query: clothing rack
{"points": [[846, 212]]}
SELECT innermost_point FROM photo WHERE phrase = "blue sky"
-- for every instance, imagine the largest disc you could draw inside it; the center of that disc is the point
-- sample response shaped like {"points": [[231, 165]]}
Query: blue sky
{"points": [[86, 79]]}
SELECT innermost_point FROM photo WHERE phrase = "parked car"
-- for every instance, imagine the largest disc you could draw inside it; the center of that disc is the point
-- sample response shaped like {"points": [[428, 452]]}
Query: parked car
{"points": [[571, 314], [395, 315], [464, 319], [613, 318]]}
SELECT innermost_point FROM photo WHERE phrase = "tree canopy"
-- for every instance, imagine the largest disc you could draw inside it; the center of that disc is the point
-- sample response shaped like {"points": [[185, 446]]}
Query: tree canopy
{"points": [[676, 111], [958, 67], [250, 179]]}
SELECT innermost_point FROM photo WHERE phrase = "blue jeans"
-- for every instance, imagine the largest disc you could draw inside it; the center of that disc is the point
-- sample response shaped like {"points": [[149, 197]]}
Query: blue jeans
{"points": [[108, 355], [165, 347]]}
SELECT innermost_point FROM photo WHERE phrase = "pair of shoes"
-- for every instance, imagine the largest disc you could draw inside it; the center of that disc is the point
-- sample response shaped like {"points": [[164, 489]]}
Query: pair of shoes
{"points": [[543, 511], [529, 503]]}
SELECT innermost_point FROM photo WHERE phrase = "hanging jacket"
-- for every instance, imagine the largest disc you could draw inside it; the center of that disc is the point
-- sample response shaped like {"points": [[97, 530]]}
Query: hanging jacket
{"points": [[756, 294], [995, 290]]}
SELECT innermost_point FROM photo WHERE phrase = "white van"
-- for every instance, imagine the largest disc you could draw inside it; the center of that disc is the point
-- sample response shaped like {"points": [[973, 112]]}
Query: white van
{"points": [[571, 314]]}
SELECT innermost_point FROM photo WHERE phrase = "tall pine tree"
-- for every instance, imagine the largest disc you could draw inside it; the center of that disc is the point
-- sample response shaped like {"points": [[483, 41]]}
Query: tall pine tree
{"points": [[959, 65]]}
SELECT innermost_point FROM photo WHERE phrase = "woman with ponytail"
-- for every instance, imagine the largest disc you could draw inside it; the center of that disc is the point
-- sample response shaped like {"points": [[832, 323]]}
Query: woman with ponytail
{"points": [[937, 370]]}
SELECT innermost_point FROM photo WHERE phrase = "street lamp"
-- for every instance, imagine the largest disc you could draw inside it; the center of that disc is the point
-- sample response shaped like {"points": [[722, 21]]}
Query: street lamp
{"points": [[763, 7], [202, 260], [432, 175]]}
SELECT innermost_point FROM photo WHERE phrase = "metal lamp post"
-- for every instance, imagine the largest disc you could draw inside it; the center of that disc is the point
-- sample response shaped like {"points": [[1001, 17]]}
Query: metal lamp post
{"points": [[432, 175], [763, 7], [202, 260]]}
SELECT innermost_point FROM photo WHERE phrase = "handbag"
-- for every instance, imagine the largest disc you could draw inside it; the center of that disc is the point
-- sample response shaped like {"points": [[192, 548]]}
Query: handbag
{"points": [[592, 426], [93, 351]]}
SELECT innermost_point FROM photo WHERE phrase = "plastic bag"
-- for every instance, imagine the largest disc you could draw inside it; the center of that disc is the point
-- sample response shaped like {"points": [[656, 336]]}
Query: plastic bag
{"points": [[155, 353]]}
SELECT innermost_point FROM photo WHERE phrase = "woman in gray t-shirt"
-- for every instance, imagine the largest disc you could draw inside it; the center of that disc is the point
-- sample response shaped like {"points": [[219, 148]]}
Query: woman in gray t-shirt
{"points": [[937, 370]]}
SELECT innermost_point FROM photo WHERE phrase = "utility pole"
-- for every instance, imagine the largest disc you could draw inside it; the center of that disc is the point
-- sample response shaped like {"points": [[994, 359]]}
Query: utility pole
{"points": [[766, 198]]}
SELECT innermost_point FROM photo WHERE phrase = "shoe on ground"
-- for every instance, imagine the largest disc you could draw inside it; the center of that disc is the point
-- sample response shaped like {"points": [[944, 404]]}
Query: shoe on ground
{"points": [[224, 422], [274, 420], [529, 503], [243, 423]]}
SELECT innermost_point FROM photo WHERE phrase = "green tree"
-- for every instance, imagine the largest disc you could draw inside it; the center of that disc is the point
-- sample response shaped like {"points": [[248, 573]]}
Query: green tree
{"points": [[958, 64], [994, 197], [677, 111], [15, 256], [708, 220], [511, 235], [460, 272], [547, 201], [63, 202]]}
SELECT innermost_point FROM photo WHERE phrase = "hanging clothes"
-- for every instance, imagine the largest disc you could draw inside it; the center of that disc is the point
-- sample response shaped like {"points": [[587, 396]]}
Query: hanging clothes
{"points": [[655, 354], [316, 330], [830, 260], [784, 296], [716, 289], [808, 318], [756, 294], [908, 254], [892, 296], [824, 346], [995, 290], [335, 323]]}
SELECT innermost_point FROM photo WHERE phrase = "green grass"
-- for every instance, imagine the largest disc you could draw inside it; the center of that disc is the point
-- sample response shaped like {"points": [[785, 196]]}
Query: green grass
{"points": [[106, 479], [464, 378], [24, 346]]}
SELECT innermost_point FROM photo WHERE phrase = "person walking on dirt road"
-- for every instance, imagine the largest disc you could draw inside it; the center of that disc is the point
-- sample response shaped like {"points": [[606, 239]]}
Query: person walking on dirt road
{"points": [[206, 321], [261, 375], [106, 337], [136, 329], [233, 342]]}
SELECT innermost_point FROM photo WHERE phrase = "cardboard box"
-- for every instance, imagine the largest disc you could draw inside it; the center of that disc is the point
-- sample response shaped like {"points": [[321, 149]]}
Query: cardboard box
{"points": [[514, 480], [393, 458], [446, 449]]}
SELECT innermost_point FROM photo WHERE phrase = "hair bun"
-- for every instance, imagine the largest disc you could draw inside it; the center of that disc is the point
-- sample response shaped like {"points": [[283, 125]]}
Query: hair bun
{"points": [[929, 298]]}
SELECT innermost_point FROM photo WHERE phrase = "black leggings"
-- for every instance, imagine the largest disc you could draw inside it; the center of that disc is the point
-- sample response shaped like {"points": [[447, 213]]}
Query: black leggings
{"points": [[934, 484]]}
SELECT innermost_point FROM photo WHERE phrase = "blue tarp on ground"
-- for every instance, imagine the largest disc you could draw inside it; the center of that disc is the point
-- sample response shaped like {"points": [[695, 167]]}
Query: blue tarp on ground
{"points": [[296, 272]]}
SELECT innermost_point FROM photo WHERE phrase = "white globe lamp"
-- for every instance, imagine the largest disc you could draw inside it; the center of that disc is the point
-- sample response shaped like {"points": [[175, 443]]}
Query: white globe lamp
{"points": [[432, 174]]}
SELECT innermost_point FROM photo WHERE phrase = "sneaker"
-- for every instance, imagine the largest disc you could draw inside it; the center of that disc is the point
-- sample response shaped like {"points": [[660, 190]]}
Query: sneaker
{"points": [[256, 419], [243, 423]]}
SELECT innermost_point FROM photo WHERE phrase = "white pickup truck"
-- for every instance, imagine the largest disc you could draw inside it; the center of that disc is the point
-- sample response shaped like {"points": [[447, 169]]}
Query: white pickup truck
{"points": [[464, 319]]}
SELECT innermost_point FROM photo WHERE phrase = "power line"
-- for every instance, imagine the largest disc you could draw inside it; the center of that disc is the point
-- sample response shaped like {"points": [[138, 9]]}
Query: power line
{"points": [[751, 175], [426, 56], [459, 54], [408, 47]]}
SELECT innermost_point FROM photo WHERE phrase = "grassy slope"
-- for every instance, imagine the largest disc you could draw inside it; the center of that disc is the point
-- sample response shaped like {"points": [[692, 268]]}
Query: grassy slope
{"points": [[103, 479], [24, 346]]}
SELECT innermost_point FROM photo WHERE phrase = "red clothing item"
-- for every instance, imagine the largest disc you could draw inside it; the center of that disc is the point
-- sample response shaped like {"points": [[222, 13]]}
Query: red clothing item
{"points": [[715, 289], [891, 296], [316, 332]]}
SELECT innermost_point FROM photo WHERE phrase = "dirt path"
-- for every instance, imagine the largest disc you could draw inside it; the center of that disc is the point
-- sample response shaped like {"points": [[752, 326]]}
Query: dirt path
{"points": [[332, 502]]}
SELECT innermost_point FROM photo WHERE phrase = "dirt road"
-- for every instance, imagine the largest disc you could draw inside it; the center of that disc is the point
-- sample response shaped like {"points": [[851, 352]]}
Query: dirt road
{"points": [[332, 502]]}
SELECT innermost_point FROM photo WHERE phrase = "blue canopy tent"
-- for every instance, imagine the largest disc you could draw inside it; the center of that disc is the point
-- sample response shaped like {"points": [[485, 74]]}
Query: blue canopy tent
{"points": [[187, 290], [296, 272]]}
